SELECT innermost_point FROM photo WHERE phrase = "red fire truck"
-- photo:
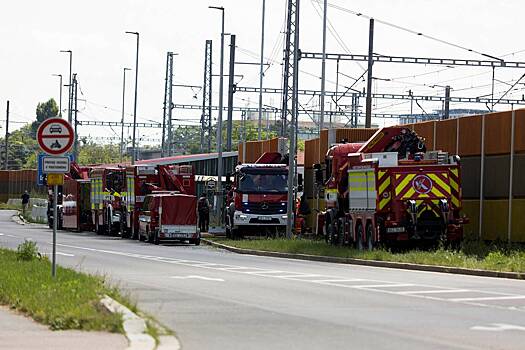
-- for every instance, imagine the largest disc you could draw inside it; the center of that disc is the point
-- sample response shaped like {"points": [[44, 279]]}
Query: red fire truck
{"points": [[169, 216], [142, 180], [390, 189], [74, 211], [108, 187], [257, 199]]}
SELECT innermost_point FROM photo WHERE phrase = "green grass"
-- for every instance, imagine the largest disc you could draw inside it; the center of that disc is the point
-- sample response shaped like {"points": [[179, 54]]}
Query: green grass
{"points": [[70, 301], [5, 206], [472, 255]]}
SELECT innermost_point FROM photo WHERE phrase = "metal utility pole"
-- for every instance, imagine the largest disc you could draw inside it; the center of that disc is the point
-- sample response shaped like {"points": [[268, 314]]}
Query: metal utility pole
{"points": [[243, 120], [492, 92], [323, 71], [134, 152], [288, 59], [368, 118], [60, 95], [75, 110], [447, 102], [261, 72], [290, 94], [170, 103], [6, 160], [165, 109], [123, 109], [411, 104], [206, 98], [218, 195], [70, 91], [231, 91]]}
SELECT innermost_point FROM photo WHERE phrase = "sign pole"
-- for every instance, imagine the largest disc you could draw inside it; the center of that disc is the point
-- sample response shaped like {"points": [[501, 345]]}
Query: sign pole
{"points": [[55, 219]]}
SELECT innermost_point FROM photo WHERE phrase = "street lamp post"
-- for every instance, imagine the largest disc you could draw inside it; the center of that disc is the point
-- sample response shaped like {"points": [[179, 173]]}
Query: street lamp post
{"points": [[218, 197], [60, 97], [134, 152], [261, 72], [123, 108], [70, 99]]}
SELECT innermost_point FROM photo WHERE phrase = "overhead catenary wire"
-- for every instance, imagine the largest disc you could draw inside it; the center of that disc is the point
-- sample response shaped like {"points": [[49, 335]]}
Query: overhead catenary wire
{"points": [[430, 37]]}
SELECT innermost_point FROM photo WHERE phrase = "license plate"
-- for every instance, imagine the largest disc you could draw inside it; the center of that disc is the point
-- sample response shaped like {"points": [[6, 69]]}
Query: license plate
{"points": [[176, 235], [265, 218]]}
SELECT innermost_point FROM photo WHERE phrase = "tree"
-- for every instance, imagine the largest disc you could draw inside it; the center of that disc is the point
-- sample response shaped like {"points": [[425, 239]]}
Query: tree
{"points": [[44, 110], [92, 153]]}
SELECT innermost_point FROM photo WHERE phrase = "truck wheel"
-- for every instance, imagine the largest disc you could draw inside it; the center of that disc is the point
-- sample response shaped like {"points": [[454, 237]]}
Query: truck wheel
{"points": [[156, 239], [332, 233], [369, 239], [359, 237], [341, 233], [197, 241], [149, 236]]}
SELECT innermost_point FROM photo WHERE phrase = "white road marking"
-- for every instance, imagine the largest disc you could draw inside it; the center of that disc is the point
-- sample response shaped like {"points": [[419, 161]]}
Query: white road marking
{"points": [[11, 236], [498, 327], [269, 272], [198, 278], [1, 234], [296, 276], [64, 254], [439, 291], [340, 280], [391, 285], [325, 281], [509, 297]]}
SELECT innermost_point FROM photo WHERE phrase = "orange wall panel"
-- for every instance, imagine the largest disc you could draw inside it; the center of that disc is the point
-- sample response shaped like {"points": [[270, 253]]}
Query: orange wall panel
{"points": [[446, 135], [497, 132], [470, 136], [519, 134]]}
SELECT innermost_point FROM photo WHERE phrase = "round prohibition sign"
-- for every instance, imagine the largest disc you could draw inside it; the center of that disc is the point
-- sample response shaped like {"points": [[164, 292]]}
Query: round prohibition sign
{"points": [[55, 136]]}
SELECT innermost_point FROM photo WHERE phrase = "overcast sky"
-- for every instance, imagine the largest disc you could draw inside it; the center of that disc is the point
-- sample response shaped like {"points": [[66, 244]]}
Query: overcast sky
{"points": [[33, 32]]}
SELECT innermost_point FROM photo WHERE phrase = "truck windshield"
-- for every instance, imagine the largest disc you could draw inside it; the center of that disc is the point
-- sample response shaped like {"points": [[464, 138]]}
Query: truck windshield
{"points": [[263, 183]]}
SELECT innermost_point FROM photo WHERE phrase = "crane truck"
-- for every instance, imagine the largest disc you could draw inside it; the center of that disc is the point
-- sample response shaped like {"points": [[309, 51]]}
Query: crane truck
{"points": [[390, 189]]}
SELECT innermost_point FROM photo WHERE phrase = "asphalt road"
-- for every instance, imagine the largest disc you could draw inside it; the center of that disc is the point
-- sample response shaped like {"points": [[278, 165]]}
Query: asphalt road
{"points": [[215, 299]]}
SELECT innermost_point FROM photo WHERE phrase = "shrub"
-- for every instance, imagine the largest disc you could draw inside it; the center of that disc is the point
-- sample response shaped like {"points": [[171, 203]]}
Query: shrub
{"points": [[27, 251]]}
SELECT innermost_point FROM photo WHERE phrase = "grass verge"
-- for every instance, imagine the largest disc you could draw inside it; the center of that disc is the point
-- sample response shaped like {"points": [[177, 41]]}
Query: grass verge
{"points": [[70, 301], [472, 255]]}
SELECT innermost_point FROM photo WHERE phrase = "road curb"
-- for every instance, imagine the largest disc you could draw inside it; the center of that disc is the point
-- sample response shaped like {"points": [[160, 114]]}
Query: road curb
{"points": [[134, 326], [372, 263], [135, 329], [17, 218]]}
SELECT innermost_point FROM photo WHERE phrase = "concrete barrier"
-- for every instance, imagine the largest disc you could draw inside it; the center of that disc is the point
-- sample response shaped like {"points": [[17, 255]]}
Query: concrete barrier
{"points": [[39, 213], [32, 201]]}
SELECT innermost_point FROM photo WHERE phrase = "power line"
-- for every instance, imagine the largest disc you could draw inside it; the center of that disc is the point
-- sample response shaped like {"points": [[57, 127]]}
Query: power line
{"points": [[359, 14]]}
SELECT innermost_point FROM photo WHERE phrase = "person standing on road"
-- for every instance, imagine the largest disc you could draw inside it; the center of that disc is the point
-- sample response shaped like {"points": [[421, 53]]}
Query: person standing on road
{"points": [[203, 207], [25, 202]]}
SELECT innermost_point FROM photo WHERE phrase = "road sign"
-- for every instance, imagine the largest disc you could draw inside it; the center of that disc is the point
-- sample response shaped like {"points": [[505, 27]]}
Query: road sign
{"points": [[55, 136], [57, 165], [55, 179]]}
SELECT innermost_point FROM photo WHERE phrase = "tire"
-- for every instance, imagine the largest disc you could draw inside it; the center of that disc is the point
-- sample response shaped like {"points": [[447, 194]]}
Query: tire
{"points": [[156, 239], [228, 227], [196, 241], [332, 232], [141, 238], [369, 241], [149, 237], [341, 233], [359, 237]]}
